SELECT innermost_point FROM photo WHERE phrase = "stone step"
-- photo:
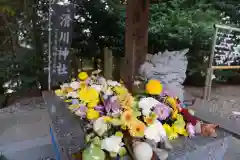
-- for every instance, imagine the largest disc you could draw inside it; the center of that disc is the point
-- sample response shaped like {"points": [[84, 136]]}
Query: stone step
{"points": [[28, 150]]}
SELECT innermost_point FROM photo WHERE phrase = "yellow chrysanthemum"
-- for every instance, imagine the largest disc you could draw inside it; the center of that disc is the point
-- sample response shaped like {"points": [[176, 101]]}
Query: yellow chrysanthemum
{"points": [[92, 103], [92, 114], [89, 96], [154, 87], [136, 129], [82, 76]]}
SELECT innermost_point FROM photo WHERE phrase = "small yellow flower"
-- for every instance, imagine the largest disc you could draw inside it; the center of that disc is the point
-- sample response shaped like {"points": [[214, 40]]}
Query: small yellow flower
{"points": [[154, 87], [179, 125], [73, 79], [69, 89], [123, 127], [116, 122], [92, 114], [82, 76], [170, 132], [173, 104], [107, 119], [148, 120], [119, 134], [68, 100], [59, 92]]}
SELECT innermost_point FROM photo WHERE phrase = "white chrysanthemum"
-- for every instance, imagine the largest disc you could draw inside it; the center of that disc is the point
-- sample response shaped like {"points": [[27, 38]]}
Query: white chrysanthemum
{"points": [[102, 81], [99, 126], [72, 94], [113, 83], [64, 85], [108, 92], [97, 87], [112, 144], [75, 85], [155, 132], [146, 104]]}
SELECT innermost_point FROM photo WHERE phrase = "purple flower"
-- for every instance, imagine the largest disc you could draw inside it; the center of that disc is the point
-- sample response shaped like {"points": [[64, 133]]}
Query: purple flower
{"points": [[81, 111], [162, 111], [75, 101], [112, 106], [99, 108], [190, 130]]}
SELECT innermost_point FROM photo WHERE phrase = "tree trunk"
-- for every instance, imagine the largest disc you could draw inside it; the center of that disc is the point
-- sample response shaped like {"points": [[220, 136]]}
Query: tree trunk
{"points": [[38, 45]]}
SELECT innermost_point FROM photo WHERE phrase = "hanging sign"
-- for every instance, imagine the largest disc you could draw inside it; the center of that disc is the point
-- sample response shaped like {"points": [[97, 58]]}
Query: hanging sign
{"points": [[62, 17]]}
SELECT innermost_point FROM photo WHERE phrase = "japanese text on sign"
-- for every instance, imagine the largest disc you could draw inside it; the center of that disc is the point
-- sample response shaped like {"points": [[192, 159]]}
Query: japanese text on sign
{"points": [[226, 50], [62, 26]]}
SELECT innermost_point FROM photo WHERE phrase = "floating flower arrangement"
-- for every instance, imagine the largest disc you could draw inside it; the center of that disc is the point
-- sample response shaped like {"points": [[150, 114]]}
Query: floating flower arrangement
{"points": [[110, 114]]}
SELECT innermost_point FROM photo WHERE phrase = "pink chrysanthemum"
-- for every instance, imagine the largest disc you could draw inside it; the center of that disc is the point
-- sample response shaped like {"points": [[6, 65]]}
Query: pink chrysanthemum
{"points": [[190, 130]]}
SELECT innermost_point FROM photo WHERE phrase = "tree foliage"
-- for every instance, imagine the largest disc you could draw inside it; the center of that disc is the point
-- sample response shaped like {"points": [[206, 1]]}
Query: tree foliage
{"points": [[173, 24]]}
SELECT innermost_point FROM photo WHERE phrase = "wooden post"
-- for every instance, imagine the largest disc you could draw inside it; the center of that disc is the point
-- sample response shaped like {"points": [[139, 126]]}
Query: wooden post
{"points": [[108, 63], [208, 81], [136, 39]]}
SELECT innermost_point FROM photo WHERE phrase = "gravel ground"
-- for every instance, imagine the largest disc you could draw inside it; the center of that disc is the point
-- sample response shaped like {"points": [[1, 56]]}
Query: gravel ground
{"points": [[26, 104], [225, 100]]}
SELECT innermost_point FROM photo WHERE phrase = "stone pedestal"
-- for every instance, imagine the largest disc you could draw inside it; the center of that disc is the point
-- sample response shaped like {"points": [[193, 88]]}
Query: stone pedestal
{"points": [[201, 148], [69, 137]]}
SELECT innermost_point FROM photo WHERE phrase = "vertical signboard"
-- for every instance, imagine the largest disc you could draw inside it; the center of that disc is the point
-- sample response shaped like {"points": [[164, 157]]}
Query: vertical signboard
{"points": [[62, 17]]}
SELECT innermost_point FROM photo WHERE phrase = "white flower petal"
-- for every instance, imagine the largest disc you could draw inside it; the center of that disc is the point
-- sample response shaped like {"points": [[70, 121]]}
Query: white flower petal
{"points": [[99, 126], [155, 132], [64, 85], [72, 94], [75, 85], [97, 87], [112, 144], [146, 104]]}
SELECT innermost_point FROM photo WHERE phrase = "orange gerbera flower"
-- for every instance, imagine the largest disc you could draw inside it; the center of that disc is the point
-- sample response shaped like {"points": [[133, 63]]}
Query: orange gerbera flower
{"points": [[127, 117], [136, 129]]}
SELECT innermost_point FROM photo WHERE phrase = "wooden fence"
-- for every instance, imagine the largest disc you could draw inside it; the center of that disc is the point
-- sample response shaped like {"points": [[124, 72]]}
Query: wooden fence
{"points": [[110, 65]]}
